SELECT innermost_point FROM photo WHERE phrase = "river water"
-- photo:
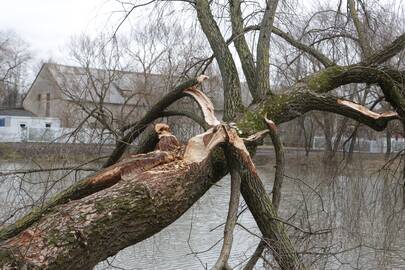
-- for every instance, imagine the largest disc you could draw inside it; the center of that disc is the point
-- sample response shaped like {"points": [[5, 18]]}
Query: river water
{"points": [[346, 218]]}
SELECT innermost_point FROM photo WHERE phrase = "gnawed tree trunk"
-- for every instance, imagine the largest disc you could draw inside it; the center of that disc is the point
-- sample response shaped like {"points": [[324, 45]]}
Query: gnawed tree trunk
{"points": [[129, 202], [143, 201], [97, 218], [138, 206], [136, 198]]}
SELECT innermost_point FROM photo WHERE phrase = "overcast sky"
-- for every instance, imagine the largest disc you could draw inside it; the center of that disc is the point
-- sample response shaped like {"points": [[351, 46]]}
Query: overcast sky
{"points": [[47, 25]]}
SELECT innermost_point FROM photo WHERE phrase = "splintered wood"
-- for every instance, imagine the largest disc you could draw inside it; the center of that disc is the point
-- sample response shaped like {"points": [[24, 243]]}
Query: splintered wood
{"points": [[366, 111]]}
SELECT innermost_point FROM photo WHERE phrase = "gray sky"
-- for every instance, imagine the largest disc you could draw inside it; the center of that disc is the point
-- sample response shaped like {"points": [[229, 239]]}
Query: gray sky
{"points": [[47, 25]]}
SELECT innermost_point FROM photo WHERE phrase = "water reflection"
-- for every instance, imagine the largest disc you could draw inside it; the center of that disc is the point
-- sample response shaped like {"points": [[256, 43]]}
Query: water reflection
{"points": [[349, 218]]}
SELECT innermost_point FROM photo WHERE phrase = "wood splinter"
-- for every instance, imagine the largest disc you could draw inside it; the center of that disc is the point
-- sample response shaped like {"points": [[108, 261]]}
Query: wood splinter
{"points": [[167, 141]]}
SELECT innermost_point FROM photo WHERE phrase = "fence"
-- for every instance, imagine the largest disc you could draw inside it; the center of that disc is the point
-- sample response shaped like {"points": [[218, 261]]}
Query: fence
{"points": [[56, 135], [364, 145]]}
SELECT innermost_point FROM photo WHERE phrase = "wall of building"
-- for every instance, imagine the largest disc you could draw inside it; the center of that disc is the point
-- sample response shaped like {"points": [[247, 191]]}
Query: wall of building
{"points": [[34, 122], [36, 99], [18, 128]]}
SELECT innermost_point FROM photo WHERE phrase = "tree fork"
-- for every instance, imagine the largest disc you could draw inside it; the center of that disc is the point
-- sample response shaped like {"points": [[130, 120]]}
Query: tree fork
{"points": [[138, 206]]}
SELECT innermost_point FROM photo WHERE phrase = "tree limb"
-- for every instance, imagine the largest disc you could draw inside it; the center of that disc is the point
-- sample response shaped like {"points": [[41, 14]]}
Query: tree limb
{"points": [[263, 49], [222, 261], [386, 53], [305, 48], [227, 67], [242, 48], [364, 41], [149, 117], [285, 107], [278, 181]]}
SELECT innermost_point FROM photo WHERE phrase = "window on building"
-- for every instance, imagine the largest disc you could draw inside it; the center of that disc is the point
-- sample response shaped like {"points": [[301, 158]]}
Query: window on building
{"points": [[48, 104], [2, 122], [39, 102], [47, 125], [23, 126]]}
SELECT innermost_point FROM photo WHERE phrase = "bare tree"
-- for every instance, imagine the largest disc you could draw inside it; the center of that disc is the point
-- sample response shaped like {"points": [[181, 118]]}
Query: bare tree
{"points": [[141, 195], [14, 57]]}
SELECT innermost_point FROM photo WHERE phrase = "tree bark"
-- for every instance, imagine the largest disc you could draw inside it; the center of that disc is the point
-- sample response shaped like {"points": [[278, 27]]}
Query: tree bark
{"points": [[227, 67], [140, 204], [388, 140], [242, 47], [263, 49], [262, 209], [80, 233], [119, 206]]}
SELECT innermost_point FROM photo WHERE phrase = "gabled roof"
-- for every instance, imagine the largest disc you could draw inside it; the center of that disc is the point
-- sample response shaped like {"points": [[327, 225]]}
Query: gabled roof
{"points": [[127, 87], [118, 87]]}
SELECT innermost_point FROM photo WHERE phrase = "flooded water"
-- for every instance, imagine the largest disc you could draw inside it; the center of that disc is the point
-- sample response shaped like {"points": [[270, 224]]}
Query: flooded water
{"points": [[350, 218]]}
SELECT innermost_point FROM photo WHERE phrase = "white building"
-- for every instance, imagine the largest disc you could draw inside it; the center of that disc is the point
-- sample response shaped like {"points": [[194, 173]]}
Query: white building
{"points": [[19, 125]]}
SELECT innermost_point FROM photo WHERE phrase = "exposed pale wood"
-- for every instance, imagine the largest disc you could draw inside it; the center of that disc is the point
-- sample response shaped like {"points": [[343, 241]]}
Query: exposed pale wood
{"points": [[364, 110], [205, 104]]}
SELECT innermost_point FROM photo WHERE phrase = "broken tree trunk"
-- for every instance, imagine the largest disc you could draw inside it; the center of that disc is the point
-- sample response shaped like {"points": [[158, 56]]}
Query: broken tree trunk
{"points": [[139, 205], [144, 200], [88, 223]]}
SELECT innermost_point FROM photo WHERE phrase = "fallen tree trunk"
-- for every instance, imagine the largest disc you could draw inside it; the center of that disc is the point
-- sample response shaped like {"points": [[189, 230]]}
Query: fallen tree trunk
{"points": [[138, 206], [124, 206]]}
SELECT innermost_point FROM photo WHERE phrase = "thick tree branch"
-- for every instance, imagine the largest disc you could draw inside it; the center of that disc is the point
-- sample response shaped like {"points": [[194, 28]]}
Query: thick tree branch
{"points": [[149, 117], [285, 107], [278, 181], [227, 67], [242, 47], [92, 184], [263, 49], [262, 209], [360, 28], [105, 222]]}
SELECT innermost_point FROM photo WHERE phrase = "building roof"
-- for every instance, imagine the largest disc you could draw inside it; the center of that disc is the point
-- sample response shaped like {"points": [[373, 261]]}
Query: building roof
{"points": [[16, 112], [122, 87], [118, 87]]}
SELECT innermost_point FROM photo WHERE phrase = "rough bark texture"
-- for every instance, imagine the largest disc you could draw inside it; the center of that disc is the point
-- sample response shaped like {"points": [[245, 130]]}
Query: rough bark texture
{"points": [[227, 67], [242, 47], [144, 199], [278, 182], [262, 209], [80, 233], [263, 49], [92, 184], [131, 201]]}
